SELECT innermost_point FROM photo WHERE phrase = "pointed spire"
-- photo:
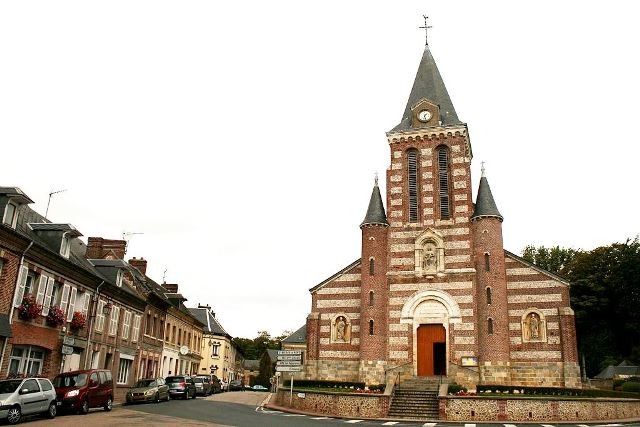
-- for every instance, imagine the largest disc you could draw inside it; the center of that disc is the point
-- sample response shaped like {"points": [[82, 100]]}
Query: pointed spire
{"points": [[375, 213], [485, 205], [430, 86]]}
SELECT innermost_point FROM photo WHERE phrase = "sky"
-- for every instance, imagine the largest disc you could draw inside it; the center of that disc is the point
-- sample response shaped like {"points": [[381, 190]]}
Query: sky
{"points": [[241, 138]]}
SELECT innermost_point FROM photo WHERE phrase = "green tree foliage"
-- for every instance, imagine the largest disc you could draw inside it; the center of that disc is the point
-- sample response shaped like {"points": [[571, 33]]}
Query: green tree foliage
{"points": [[254, 348], [605, 294]]}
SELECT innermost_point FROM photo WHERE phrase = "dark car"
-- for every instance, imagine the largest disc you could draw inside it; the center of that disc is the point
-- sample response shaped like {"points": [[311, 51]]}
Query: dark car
{"points": [[181, 386], [236, 385], [80, 390], [203, 385]]}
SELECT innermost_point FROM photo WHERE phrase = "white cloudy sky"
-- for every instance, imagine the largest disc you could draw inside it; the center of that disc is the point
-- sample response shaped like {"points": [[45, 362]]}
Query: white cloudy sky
{"points": [[242, 137]]}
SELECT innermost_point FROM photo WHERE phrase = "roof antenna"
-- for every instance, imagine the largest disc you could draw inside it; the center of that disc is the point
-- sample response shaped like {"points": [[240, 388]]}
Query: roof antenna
{"points": [[376, 179], [164, 275], [426, 30], [126, 236], [482, 170], [49, 202]]}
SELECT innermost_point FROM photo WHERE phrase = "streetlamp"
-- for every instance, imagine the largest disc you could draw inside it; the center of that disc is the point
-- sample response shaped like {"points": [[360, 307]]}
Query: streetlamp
{"points": [[107, 308]]}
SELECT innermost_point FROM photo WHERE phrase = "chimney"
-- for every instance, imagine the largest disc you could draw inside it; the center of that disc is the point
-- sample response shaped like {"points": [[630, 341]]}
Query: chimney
{"points": [[171, 288], [99, 248], [140, 264]]}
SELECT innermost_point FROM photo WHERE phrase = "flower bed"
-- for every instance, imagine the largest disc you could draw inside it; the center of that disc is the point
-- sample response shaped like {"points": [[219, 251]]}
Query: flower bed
{"points": [[29, 309]]}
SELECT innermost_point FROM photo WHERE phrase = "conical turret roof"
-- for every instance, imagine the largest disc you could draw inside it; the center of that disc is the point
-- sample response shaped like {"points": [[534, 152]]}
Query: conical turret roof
{"points": [[375, 212], [430, 86], [485, 205]]}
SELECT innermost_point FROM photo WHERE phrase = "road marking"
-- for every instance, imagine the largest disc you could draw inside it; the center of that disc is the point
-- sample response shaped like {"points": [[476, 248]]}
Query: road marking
{"points": [[547, 425], [320, 418], [294, 415], [510, 425], [610, 425], [354, 421], [429, 425], [266, 411], [583, 425], [390, 423], [469, 425]]}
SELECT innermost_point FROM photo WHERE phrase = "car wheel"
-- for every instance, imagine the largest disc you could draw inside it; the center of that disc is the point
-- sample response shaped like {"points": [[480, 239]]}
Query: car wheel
{"points": [[186, 396], [157, 398], [52, 411], [14, 415], [109, 405], [84, 409], [168, 397], [194, 395]]}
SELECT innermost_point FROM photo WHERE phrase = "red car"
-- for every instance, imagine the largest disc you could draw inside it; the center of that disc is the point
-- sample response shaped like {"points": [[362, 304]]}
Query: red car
{"points": [[78, 391]]}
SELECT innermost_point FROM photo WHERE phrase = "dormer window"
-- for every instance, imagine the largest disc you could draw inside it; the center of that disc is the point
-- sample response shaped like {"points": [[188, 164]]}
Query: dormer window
{"points": [[119, 277], [65, 246], [10, 215]]}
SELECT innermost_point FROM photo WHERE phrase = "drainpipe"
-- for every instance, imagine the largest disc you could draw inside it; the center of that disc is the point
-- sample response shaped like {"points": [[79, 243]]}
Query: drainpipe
{"points": [[96, 294], [12, 308]]}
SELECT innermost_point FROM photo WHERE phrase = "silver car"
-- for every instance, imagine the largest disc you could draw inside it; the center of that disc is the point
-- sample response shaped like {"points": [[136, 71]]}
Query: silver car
{"points": [[27, 396]]}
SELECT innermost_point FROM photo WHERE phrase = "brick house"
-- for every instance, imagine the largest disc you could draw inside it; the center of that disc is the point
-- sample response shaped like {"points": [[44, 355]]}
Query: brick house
{"points": [[434, 292]]}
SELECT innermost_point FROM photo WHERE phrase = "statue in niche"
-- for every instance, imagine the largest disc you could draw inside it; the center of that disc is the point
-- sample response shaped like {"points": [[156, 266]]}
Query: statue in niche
{"points": [[341, 329], [429, 260], [533, 327]]}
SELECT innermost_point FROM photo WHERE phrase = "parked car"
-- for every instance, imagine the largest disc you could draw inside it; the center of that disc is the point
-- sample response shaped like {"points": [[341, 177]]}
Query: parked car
{"points": [[27, 396], [203, 384], [80, 390], [181, 386], [236, 385], [216, 386], [224, 385], [149, 390], [259, 387]]}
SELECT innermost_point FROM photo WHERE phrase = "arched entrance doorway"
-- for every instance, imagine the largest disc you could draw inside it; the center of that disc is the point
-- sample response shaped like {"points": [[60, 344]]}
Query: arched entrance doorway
{"points": [[431, 355]]}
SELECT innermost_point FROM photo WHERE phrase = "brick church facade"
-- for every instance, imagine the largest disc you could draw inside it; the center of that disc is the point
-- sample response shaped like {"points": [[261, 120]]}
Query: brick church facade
{"points": [[434, 292]]}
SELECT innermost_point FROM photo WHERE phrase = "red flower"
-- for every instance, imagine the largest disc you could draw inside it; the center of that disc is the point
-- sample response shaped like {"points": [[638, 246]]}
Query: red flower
{"points": [[29, 309], [78, 321], [55, 317]]}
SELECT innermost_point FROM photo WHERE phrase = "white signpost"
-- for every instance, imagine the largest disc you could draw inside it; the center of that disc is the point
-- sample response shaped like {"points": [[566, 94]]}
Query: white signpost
{"points": [[289, 361]]}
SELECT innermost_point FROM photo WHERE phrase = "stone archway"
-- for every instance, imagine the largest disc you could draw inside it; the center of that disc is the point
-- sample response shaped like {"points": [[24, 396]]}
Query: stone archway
{"points": [[430, 311]]}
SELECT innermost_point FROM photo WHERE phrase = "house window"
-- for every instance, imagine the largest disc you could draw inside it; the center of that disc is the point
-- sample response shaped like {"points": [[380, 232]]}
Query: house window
{"points": [[443, 181], [100, 316], [161, 330], [26, 360], [113, 320], [123, 370], [136, 328], [173, 334], [370, 298], [10, 215], [412, 164], [1, 265], [488, 295], [370, 327], [119, 279], [126, 324], [65, 246], [372, 267], [490, 326], [487, 264], [216, 349]]}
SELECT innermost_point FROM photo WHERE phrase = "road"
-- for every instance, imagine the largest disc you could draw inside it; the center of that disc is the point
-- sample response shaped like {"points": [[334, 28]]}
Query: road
{"points": [[241, 409]]}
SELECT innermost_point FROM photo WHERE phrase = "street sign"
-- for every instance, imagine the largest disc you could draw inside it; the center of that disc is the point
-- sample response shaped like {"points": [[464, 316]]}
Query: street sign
{"points": [[295, 357], [289, 363], [289, 352], [67, 340], [67, 349], [289, 368]]}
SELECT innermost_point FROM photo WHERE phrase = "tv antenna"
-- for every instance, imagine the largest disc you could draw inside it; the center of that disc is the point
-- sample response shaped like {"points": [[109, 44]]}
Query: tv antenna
{"points": [[52, 193]]}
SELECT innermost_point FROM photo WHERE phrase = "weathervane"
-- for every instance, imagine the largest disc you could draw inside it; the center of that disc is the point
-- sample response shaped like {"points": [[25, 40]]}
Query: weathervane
{"points": [[376, 178], [482, 168], [426, 30]]}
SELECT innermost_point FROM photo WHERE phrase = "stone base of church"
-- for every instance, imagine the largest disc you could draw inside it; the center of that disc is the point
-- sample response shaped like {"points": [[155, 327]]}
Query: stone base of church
{"points": [[546, 374], [495, 373], [332, 370], [372, 371]]}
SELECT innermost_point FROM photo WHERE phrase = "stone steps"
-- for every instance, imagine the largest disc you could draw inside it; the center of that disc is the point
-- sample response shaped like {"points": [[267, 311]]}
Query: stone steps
{"points": [[416, 398]]}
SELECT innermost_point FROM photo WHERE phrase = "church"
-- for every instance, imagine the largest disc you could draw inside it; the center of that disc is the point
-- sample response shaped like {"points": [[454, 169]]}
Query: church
{"points": [[434, 292]]}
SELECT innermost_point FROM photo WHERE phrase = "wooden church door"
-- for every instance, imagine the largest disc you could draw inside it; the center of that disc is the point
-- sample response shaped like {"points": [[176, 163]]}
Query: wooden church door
{"points": [[431, 357]]}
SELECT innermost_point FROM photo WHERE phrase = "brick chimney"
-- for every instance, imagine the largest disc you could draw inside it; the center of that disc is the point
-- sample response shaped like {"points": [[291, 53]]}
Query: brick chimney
{"points": [[171, 288], [99, 248], [140, 264]]}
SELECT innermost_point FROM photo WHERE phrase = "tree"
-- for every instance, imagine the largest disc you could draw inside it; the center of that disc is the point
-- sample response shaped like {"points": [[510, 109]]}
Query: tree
{"points": [[254, 348], [605, 295]]}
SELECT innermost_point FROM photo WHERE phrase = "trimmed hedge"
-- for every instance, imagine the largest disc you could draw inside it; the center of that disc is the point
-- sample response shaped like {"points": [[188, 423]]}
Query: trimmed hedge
{"points": [[553, 391], [325, 384], [377, 387], [631, 387], [454, 388]]}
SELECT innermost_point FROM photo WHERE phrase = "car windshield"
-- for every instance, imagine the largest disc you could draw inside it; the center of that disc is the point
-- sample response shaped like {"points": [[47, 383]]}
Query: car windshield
{"points": [[175, 379], [9, 386], [198, 380], [146, 383], [75, 380]]}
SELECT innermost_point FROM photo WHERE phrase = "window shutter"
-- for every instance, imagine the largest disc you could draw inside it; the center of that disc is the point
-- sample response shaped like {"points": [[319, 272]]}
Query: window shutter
{"points": [[72, 304], [42, 288], [21, 283], [126, 323], [87, 300], [113, 324], [64, 299], [100, 316], [47, 296], [136, 328]]}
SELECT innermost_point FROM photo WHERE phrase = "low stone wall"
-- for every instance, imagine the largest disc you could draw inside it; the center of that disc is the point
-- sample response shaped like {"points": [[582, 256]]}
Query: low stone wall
{"points": [[349, 405], [537, 409]]}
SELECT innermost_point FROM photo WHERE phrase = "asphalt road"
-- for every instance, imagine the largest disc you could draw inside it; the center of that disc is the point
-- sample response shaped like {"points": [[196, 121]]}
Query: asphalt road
{"points": [[243, 409]]}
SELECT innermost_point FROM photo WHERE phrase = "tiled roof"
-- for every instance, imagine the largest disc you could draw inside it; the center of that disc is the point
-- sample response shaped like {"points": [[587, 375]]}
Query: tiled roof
{"points": [[299, 336]]}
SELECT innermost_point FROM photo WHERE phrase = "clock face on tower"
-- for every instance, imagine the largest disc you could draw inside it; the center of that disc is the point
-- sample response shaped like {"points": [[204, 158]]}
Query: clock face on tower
{"points": [[424, 115]]}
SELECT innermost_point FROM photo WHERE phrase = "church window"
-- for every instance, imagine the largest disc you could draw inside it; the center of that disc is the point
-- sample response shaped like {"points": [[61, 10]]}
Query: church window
{"points": [[372, 266], [487, 264], [443, 181], [370, 327], [412, 161], [370, 298], [488, 295], [490, 326]]}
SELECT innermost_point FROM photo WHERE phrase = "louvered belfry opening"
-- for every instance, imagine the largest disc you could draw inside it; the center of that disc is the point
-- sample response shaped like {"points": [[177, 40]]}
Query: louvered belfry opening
{"points": [[412, 161], [443, 181]]}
